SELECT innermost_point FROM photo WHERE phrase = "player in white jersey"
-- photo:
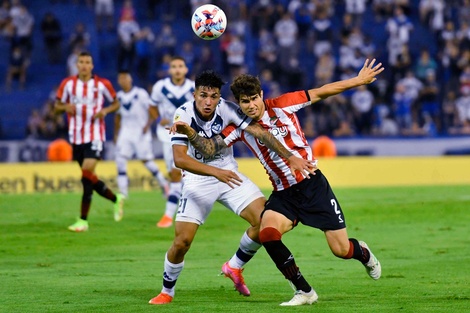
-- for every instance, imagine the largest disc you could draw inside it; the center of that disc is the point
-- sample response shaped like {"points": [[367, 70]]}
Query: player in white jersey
{"points": [[82, 98], [207, 180], [167, 95], [132, 132], [295, 199]]}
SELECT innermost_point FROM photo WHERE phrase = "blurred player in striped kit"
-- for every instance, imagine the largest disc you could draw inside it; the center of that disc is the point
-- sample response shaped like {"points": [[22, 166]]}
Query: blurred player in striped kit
{"points": [[132, 133], [167, 95], [82, 97]]}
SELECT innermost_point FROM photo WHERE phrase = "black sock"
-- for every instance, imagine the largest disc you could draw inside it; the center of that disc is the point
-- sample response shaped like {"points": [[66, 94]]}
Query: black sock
{"points": [[285, 262]]}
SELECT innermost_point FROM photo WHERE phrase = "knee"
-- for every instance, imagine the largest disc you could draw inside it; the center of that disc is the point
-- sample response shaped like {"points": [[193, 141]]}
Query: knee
{"points": [[181, 245], [269, 234]]}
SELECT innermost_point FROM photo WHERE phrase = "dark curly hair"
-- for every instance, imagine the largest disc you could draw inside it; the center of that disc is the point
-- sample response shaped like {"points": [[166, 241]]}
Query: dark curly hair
{"points": [[209, 78], [245, 85]]}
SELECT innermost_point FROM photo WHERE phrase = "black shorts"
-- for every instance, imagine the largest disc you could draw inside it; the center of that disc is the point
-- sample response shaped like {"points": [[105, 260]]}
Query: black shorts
{"points": [[90, 150], [310, 202]]}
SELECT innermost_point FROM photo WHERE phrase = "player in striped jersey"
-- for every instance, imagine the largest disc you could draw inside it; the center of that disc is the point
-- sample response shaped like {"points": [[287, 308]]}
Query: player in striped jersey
{"points": [[131, 132], [296, 198], [207, 180], [82, 97], [167, 95]]}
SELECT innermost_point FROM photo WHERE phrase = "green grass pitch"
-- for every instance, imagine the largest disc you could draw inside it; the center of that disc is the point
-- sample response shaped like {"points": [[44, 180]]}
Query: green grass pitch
{"points": [[420, 234]]}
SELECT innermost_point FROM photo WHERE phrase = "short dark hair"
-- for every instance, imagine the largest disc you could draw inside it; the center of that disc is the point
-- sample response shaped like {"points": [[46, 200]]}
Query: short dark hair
{"points": [[245, 85], [177, 57], [209, 78], [85, 54], [124, 72]]}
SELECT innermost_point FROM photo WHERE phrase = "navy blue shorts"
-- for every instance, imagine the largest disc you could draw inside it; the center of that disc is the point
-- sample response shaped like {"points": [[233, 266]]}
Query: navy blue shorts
{"points": [[310, 202]]}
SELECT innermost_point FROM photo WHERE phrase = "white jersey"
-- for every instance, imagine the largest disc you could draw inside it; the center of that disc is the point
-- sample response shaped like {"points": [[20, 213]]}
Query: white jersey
{"points": [[225, 113], [134, 116], [134, 111], [167, 97]]}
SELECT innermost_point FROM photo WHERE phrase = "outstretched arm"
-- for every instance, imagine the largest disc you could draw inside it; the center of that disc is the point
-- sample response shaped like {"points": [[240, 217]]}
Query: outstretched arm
{"points": [[366, 76]]}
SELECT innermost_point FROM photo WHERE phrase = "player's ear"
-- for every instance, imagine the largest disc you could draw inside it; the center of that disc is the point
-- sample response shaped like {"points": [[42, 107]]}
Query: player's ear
{"points": [[261, 94]]}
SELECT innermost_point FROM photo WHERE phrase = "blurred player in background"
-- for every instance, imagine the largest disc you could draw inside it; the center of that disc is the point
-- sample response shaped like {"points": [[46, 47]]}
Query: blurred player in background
{"points": [[167, 95], [132, 133], [82, 97], [214, 179], [296, 198]]}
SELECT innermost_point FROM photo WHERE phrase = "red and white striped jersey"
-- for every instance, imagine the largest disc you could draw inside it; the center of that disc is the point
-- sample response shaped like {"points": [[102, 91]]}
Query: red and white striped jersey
{"points": [[88, 98], [282, 122]]}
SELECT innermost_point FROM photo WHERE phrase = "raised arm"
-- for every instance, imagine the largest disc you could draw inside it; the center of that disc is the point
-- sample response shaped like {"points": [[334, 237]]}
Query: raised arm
{"points": [[366, 76]]}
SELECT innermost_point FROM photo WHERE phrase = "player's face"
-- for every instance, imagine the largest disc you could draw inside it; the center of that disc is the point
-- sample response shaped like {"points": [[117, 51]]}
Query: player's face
{"points": [[178, 70], [252, 106], [207, 99], [84, 65], [125, 81]]}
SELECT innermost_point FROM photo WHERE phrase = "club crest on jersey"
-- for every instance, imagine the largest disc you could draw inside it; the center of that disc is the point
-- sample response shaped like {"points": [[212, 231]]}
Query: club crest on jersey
{"points": [[177, 117], [273, 120], [216, 128]]}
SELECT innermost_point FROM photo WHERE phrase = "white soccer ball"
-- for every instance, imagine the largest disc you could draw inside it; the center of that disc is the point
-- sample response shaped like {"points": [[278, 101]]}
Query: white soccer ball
{"points": [[209, 22]]}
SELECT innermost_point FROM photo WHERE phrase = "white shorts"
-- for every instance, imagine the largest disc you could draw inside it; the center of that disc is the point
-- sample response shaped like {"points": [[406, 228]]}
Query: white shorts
{"points": [[198, 198], [141, 147]]}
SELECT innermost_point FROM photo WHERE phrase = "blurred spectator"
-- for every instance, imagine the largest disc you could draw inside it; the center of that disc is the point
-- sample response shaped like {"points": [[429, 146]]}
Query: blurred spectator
{"points": [[104, 12], [23, 23], [79, 38], [402, 106], [204, 60], [72, 69], [324, 69], [165, 42], [424, 65], [143, 49], [286, 31], [362, 101], [322, 33], [463, 111], [52, 34], [188, 54], [17, 67], [270, 87], [449, 111], [399, 26], [127, 29], [4, 15], [34, 125], [356, 9], [236, 56], [428, 99]]}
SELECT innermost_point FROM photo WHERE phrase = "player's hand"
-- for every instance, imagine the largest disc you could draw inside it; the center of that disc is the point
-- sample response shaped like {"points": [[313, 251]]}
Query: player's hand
{"points": [[369, 71], [305, 167], [180, 128], [228, 177], [70, 109], [100, 114]]}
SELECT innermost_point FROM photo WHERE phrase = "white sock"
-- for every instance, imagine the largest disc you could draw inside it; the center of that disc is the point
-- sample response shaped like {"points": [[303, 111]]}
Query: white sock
{"points": [[170, 275], [153, 168], [248, 248], [122, 179], [173, 198]]}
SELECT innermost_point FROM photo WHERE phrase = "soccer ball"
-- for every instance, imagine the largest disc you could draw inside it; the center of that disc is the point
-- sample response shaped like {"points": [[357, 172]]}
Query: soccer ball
{"points": [[209, 22]]}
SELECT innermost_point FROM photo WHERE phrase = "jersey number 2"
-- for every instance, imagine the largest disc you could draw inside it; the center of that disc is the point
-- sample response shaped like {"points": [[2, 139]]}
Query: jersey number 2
{"points": [[337, 211]]}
